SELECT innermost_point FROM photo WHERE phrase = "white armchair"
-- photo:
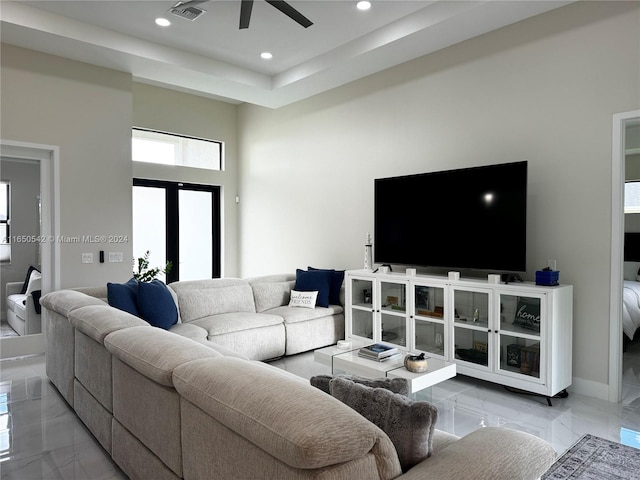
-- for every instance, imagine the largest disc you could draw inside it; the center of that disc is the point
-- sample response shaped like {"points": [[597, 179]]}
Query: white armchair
{"points": [[22, 312]]}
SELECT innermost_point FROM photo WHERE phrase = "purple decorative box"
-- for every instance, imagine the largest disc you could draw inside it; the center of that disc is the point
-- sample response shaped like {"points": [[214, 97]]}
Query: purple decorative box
{"points": [[547, 277]]}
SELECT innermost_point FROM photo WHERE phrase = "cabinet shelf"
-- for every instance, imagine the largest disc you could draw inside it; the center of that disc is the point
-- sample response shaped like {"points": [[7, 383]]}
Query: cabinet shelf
{"points": [[515, 331]]}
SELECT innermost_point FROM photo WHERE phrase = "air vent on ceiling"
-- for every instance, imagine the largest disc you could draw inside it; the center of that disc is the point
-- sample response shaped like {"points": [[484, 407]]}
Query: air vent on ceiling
{"points": [[190, 13]]}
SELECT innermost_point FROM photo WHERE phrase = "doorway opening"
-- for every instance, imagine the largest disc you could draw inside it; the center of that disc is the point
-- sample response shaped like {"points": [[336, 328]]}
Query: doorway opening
{"points": [[46, 250], [619, 150]]}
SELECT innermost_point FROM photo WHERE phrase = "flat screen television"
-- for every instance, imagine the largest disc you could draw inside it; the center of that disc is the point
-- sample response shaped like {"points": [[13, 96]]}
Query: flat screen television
{"points": [[471, 218]]}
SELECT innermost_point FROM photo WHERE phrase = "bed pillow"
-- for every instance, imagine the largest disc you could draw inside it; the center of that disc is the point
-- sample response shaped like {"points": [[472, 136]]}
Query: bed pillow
{"points": [[409, 424], [630, 270], [35, 282]]}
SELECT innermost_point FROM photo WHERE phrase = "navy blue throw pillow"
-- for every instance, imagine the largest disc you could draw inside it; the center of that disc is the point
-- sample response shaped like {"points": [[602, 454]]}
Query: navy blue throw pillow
{"points": [[315, 281], [156, 304], [337, 277], [124, 296]]}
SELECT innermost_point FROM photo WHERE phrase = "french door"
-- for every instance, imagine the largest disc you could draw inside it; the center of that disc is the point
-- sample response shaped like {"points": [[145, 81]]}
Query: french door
{"points": [[178, 223]]}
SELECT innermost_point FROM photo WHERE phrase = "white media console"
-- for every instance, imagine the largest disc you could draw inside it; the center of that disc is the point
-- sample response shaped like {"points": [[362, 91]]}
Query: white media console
{"points": [[517, 334]]}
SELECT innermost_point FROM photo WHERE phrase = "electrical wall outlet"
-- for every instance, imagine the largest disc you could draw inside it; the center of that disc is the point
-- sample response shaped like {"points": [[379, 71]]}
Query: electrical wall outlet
{"points": [[87, 258]]}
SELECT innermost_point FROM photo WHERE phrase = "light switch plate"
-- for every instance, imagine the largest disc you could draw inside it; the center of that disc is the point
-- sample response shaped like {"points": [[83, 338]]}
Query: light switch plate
{"points": [[115, 257]]}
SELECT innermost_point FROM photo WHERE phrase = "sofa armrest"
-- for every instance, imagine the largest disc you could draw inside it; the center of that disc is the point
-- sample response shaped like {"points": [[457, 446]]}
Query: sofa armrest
{"points": [[13, 287], [489, 453]]}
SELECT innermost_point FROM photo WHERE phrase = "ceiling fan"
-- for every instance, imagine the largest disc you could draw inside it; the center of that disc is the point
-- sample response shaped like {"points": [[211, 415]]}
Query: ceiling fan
{"points": [[190, 11]]}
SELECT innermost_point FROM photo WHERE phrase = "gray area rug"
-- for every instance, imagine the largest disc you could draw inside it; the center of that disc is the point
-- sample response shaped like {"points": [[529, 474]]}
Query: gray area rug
{"points": [[594, 458]]}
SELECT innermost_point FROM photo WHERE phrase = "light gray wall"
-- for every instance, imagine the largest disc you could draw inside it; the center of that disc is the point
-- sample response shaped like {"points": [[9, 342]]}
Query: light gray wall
{"points": [[174, 112], [542, 90], [25, 189], [86, 111]]}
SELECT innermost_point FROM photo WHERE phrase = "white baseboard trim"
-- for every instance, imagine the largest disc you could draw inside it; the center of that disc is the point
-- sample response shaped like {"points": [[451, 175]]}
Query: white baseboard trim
{"points": [[589, 388]]}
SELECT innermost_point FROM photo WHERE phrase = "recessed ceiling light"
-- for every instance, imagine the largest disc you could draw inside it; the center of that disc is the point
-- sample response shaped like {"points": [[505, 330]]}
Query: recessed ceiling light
{"points": [[363, 5], [162, 22], [266, 55]]}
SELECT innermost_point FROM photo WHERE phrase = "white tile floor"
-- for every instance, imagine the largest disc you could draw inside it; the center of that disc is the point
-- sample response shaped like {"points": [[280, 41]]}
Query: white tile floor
{"points": [[41, 438]]}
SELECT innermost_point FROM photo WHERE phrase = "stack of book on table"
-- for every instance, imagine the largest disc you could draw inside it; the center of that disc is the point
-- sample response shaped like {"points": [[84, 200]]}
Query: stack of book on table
{"points": [[378, 351]]}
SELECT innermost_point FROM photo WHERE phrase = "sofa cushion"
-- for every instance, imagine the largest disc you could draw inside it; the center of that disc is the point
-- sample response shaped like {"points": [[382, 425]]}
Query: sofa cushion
{"points": [[394, 385], [65, 301], [269, 295], [236, 322], [203, 298], [408, 423], [155, 352], [295, 315], [303, 299], [124, 296], [98, 321], [337, 278], [315, 280], [156, 304]]}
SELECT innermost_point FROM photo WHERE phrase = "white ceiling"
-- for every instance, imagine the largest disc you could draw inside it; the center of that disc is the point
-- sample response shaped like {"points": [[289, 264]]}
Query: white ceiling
{"points": [[211, 56]]}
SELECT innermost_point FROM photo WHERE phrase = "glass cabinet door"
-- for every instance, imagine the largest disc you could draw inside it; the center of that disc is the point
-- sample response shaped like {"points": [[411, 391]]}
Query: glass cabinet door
{"points": [[393, 313], [520, 334], [362, 313], [471, 326], [429, 314]]}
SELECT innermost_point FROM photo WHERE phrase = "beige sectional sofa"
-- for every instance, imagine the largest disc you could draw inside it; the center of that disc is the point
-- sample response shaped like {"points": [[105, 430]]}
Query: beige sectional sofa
{"points": [[166, 406]]}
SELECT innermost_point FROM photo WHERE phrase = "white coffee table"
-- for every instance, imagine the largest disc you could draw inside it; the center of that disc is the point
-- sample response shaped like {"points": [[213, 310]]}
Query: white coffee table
{"points": [[348, 361]]}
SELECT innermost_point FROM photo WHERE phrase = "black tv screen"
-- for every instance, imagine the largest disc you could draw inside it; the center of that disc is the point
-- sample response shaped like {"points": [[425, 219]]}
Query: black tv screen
{"points": [[471, 218]]}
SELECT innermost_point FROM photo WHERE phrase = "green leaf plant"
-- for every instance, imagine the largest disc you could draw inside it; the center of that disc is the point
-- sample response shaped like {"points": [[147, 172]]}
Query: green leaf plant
{"points": [[146, 274]]}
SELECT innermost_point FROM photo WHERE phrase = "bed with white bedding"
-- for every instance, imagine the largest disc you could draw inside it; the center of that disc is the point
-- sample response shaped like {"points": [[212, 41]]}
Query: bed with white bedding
{"points": [[631, 299], [630, 308]]}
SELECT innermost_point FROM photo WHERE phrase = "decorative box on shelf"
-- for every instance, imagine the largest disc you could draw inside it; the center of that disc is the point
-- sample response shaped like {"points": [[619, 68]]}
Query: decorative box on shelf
{"points": [[547, 277]]}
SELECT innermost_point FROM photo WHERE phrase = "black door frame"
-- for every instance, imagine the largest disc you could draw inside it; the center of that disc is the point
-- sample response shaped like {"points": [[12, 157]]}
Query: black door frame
{"points": [[172, 221]]}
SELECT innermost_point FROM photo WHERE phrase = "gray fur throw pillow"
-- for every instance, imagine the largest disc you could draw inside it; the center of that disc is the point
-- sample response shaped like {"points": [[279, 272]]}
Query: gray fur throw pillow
{"points": [[408, 423], [395, 385]]}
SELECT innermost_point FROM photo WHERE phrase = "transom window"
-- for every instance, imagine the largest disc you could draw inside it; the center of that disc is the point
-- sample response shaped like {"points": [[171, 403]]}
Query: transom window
{"points": [[169, 149]]}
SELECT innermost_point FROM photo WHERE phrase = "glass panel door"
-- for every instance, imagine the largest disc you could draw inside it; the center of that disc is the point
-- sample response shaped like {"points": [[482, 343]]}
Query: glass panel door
{"points": [[150, 225], [178, 223], [520, 334], [471, 326], [195, 227], [362, 308], [393, 313], [429, 334]]}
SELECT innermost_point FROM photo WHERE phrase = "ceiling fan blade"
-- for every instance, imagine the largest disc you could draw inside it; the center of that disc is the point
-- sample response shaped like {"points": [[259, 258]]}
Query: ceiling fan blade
{"points": [[245, 13], [290, 12]]}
